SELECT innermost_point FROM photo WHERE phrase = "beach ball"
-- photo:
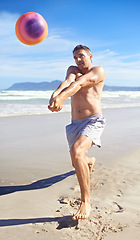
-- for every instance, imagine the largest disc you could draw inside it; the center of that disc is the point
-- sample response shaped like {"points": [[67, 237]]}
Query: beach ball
{"points": [[31, 28]]}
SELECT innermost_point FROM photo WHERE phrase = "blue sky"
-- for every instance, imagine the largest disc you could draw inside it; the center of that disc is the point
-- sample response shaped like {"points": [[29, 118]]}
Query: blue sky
{"points": [[111, 29]]}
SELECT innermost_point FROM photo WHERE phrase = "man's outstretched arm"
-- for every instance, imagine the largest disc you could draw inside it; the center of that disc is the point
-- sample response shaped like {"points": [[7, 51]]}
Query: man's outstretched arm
{"points": [[70, 77]]}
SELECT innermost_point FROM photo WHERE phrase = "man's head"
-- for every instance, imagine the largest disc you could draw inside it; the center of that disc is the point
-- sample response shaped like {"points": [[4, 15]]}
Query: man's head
{"points": [[83, 57], [78, 47]]}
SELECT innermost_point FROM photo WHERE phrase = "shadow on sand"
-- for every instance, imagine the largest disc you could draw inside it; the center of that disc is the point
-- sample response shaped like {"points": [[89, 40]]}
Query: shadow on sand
{"points": [[44, 183], [63, 222]]}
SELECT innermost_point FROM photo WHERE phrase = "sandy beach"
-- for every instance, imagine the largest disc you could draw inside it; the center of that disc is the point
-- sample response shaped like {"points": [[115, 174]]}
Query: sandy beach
{"points": [[39, 189]]}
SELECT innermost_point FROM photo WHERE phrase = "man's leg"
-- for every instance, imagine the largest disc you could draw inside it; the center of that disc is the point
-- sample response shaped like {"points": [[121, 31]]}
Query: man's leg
{"points": [[81, 165]]}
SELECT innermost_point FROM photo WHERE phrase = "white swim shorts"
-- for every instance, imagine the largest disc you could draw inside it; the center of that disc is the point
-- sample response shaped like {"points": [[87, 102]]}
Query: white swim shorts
{"points": [[91, 127]]}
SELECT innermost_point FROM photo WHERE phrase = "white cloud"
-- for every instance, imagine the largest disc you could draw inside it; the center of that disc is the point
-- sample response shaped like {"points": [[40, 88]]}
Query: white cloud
{"points": [[120, 70], [47, 70]]}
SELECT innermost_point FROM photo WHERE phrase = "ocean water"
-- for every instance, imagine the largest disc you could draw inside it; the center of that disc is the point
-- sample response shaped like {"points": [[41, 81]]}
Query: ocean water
{"points": [[14, 103]]}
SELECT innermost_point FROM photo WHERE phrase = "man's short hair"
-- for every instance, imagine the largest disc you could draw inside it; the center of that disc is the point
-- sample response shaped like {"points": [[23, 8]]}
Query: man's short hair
{"points": [[78, 47]]}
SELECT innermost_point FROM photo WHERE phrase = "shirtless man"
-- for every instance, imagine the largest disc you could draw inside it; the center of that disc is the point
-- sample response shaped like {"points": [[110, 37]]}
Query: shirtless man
{"points": [[84, 84]]}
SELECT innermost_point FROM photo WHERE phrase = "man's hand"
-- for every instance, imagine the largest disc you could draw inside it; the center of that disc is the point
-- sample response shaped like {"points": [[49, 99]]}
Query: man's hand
{"points": [[55, 104]]}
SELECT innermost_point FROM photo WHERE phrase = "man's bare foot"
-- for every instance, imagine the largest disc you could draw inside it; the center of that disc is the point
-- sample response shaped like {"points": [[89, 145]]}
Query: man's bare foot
{"points": [[83, 212], [90, 162]]}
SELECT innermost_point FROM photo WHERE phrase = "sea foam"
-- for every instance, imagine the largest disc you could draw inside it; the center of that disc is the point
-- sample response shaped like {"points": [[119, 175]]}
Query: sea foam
{"points": [[13, 103]]}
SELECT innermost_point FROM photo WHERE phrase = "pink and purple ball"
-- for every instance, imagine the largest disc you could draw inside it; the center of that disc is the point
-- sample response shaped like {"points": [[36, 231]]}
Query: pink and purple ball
{"points": [[31, 28]]}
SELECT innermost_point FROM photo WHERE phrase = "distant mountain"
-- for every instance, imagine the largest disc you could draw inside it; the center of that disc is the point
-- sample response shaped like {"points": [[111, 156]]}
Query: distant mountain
{"points": [[44, 86], [120, 88], [30, 86]]}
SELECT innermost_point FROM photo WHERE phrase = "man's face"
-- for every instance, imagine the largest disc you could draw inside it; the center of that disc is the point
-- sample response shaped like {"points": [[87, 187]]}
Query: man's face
{"points": [[82, 58]]}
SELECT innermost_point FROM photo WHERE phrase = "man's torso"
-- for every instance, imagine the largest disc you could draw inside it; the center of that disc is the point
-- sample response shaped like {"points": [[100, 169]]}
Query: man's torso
{"points": [[87, 101]]}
